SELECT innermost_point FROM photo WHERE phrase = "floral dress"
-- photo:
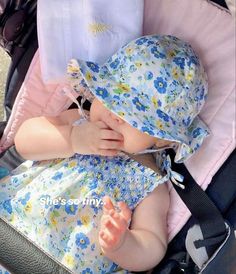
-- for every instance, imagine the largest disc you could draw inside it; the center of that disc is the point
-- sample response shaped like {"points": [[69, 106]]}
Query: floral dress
{"points": [[57, 204]]}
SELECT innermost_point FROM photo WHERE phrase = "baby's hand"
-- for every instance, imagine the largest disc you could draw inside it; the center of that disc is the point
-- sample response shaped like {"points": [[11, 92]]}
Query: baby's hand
{"points": [[96, 138], [114, 225]]}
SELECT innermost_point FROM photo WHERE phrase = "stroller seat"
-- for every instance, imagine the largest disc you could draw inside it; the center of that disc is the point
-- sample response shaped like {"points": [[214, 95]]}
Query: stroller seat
{"points": [[204, 26]]}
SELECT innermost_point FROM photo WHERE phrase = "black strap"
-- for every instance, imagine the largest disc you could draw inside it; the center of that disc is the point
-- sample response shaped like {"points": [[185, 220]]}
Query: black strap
{"points": [[202, 208]]}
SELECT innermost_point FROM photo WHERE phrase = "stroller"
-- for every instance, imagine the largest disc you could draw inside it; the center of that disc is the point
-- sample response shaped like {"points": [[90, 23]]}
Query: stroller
{"points": [[215, 216]]}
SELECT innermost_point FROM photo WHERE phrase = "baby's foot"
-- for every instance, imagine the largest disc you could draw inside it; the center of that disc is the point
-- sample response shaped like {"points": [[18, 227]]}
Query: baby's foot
{"points": [[114, 225]]}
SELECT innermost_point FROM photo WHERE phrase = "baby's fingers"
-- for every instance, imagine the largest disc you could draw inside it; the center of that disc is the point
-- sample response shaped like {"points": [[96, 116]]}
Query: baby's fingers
{"points": [[107, 134], [106, 144], [105, 240], [113, 228], [125, 211], [117, 220], [108, 205]]}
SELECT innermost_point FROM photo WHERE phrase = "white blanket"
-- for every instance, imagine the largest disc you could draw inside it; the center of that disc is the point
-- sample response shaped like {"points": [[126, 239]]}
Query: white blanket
{"points": [[86, 29]]}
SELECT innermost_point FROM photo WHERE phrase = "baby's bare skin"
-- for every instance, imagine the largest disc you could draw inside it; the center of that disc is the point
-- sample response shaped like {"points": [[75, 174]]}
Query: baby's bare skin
{"points": [[140, 246], [143, 245]]}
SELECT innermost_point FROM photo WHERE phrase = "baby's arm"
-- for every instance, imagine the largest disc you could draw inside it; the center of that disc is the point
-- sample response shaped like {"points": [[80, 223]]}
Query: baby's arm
{"points": [[43, 138], [143, 245]]}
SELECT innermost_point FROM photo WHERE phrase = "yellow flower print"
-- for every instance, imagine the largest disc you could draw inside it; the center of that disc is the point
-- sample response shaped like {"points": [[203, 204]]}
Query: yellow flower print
{"points": [[85, 220], [53, 216], [28, 207], [129, 50], [171, 54], [83, 190], [53, 220], [123, 87], [121, 114], [138, 64], [189, 76], [88, 76], [68, 260], [154, 100], [175, 73], [72, 164], [72, 69], [13, 219], [159, 124], [116, 193]]}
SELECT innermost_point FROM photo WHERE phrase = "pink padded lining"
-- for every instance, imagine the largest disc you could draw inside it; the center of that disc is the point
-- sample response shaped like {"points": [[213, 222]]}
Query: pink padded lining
{"points": [[210, 30]]}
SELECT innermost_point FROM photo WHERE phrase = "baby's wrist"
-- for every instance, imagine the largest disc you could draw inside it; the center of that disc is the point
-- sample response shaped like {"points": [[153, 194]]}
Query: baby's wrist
{"points": [[77, 141], [73, 141]]}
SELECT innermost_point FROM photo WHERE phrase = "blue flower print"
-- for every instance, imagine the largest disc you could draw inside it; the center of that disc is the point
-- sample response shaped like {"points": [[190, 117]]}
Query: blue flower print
{"points": [[134, 124], [197, 132], [83, 83], [138, 104], [193, 60], [187, 121], [15, 181], [7, 206], [157, 53], [25, 199], [87, 271], [162, 134], [104, 70], [71, 209], [148, 75], [95, 161], [132, 68], [160, 85], [93, 184], [102, 92], [179, 61], [57, 176], [141, 41], [82, 241], [150, 42], [94, 67], [115, 63], [162, 115], [126, 95], [202, 94], [147, 130]]}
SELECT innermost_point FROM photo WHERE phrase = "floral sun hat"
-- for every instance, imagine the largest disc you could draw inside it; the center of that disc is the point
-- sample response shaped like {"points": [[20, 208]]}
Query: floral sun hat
{"points": [[155, 83]]}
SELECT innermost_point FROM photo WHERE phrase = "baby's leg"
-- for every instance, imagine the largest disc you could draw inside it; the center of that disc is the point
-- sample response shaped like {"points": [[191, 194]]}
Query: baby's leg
{"points": [[145, 243]]}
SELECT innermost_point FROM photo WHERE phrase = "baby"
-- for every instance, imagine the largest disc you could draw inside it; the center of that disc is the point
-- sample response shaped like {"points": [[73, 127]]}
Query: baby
{"points": [[147, 96]]}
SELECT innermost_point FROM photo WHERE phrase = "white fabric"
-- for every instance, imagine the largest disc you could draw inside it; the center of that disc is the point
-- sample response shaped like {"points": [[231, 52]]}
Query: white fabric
{"points": [[232, 7], [84, 29]]}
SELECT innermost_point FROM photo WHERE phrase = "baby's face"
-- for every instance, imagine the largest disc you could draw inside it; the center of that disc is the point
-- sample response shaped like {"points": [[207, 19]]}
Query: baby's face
{"points": [[134, 140]]}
